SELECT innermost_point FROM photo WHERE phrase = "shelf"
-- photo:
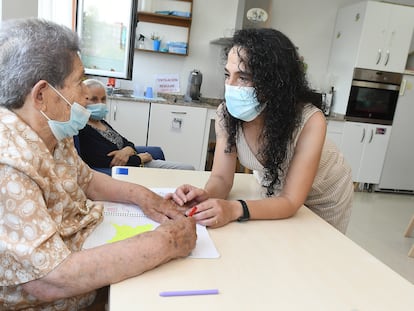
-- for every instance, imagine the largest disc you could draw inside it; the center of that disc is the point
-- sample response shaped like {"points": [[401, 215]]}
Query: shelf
{"points": [[159, 52], [164, 19], [168, 15], [222, 41]]}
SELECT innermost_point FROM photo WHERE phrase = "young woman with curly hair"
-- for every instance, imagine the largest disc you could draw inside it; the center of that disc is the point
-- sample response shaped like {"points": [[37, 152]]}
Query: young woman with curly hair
{"points": [[268, 122]]}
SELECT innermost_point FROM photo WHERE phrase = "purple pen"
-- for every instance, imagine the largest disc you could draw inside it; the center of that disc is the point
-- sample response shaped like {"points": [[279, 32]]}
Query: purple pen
{"points": [[189, 292]]}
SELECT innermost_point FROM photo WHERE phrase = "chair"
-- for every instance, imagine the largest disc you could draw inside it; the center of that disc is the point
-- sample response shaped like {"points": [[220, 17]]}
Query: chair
{"points": [[155, 151], [407, 233]]}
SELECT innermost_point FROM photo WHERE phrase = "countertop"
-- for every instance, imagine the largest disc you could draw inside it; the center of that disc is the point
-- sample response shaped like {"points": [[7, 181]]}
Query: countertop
{"points": [[174, 99], [335, 117], [170, 99]]}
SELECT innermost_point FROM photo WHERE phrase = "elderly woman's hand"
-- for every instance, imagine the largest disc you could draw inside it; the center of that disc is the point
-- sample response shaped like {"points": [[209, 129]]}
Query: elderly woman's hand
{"points": [[181, 235], [120, 157]]}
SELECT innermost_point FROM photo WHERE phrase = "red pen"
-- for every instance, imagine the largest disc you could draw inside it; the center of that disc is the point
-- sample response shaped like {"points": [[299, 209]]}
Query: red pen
{"points": [[193, 211]]}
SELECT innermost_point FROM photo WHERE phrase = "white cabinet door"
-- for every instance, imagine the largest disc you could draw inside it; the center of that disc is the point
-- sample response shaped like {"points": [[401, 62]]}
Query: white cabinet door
{"points": [[374, 152], [374, 32], [386, 35], [334, 131], [179, 131], [353, 140], [364, 146], [130, 119]]}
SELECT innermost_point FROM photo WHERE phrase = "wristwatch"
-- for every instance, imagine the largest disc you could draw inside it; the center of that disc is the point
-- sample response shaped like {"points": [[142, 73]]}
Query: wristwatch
{"points": [[246, 213]]}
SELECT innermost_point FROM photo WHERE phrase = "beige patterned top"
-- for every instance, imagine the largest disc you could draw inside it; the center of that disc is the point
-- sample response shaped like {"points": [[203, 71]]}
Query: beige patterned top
{"points": [[332, 191], [41, 218]]}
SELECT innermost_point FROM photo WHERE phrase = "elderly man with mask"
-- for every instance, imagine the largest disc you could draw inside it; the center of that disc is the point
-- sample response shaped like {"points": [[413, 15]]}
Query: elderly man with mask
{"points": [[48, 194]]}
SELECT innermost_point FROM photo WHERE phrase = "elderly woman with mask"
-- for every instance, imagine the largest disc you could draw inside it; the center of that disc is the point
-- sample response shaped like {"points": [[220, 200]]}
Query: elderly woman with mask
{"points": [[48, 193]]}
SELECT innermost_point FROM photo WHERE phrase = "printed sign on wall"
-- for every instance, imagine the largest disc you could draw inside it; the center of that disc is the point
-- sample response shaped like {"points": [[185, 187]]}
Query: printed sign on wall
{"points": [[167, 83]]}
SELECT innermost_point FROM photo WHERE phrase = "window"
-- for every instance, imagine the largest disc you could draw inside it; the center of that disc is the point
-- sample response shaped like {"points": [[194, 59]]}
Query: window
{"points": [[107, 32]]}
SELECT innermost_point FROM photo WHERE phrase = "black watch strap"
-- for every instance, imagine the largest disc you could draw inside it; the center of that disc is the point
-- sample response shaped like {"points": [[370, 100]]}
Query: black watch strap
{"points": [[246, 213]]}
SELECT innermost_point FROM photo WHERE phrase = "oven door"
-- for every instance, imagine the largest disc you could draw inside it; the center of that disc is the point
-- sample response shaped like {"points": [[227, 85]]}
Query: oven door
{"points": [[372, 102]]}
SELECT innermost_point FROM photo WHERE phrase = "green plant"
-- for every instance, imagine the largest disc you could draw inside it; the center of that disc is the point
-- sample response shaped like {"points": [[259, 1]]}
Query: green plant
{"points": [[155, 36]]}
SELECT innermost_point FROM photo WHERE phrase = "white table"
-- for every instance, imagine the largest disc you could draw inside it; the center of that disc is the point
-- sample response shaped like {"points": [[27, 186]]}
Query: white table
{"points": [[301, 263]]}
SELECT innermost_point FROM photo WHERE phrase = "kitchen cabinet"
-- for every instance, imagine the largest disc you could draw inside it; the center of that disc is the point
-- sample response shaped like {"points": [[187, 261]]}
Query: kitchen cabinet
{"points": [[180, 131], [375, 35], [130, 119], [334, 131], [170, 19], [364, 146], [370, 35], [386, 35]]}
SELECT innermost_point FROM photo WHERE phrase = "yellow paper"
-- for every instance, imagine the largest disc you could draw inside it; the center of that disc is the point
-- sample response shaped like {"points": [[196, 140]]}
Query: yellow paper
{"points": [[124, 231]]}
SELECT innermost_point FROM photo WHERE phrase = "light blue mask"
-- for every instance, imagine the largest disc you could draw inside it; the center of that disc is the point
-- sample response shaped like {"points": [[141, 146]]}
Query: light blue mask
{"points": [[241, 102], [98, 111], [79, 116]]}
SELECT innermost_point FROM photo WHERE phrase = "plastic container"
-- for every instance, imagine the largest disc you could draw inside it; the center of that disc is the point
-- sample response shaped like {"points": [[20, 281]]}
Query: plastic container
{"points": [[177, 47]]}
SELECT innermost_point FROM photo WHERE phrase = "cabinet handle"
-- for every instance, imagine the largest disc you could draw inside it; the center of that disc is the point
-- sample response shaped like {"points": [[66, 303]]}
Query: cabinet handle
{"points": [[363, 135], [115, 107], [177, 123], [372, 136], [178, 112], [378, 56], [387, 58]]}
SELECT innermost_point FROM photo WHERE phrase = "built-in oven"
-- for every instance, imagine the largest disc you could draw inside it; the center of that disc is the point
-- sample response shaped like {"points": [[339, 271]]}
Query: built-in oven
{"points": [[373, 96]]}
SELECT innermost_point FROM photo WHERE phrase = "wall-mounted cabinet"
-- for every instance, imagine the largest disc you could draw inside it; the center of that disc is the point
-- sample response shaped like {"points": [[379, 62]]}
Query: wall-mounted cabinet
{"points": [[386, 35], [370, 35], [170, 20]]}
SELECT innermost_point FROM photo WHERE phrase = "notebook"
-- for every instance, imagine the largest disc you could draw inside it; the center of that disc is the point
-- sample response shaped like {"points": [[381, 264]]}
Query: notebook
{"points": [[122, 221]]}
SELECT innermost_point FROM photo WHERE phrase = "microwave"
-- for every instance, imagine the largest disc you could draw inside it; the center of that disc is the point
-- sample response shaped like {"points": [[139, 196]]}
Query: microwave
{"points": [[373, 96]]}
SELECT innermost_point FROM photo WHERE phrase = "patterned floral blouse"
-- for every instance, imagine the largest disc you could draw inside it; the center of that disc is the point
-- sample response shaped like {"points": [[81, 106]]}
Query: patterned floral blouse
{"points": [[43, 212]]}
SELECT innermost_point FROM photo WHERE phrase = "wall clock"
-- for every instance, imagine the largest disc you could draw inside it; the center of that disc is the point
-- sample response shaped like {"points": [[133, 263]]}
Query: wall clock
{"points": [[257, 15]]}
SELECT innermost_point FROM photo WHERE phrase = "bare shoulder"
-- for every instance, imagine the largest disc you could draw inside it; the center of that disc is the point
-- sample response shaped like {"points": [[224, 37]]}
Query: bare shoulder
{"points": [[317, 122]]}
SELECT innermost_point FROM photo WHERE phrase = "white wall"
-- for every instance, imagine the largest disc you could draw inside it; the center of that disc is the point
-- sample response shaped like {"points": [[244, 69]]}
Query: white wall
{"points": [[18, 9], [309, 24], [56, 10], [209, 23]]}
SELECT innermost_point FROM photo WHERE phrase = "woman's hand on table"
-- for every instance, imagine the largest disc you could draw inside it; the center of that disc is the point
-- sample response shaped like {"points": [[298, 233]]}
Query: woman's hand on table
{"points": [[215, 213], [162, 210], [188, 195]]}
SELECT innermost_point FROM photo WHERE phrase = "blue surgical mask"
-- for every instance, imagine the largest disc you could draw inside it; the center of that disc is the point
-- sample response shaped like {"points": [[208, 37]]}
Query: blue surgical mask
{"points": [[242, 103], [79, 116], [98, 111]]}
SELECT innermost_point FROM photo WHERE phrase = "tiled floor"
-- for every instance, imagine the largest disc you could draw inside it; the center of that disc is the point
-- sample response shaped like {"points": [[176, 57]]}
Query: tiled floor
{"points": [[378, 223]]}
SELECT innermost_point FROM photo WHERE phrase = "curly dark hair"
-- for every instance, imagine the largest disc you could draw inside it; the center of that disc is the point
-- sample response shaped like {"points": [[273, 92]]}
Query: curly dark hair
{"points": [[278, 76]]}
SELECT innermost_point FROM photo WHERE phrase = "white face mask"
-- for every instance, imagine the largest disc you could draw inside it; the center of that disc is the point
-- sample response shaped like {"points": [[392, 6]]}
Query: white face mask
{"points": [[242, 103], [79, 116]]}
